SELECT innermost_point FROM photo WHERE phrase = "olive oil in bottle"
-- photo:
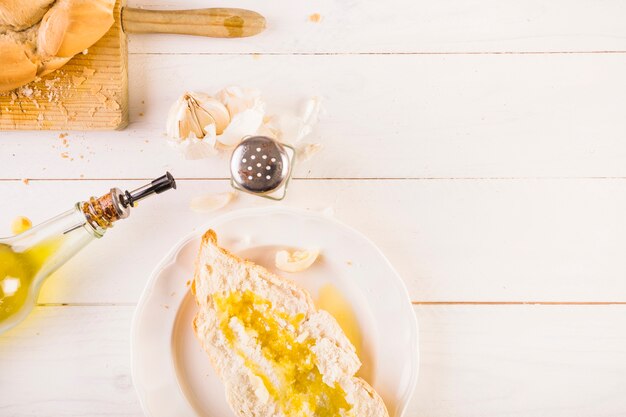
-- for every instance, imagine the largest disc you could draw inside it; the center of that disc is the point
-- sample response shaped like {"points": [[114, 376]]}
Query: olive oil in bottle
{"points": [[29, 257]]}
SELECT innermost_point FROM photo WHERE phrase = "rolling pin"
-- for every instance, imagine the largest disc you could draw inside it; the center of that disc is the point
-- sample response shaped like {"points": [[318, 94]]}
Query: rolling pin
{"points": [[214, 22]]}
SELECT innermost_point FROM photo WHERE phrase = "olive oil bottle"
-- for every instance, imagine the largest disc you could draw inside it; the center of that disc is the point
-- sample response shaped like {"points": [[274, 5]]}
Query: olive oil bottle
{"points": [[29, 257]]}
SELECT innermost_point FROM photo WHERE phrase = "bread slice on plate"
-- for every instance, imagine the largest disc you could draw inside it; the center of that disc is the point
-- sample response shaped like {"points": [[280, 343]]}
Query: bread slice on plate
{"points": [[277, 355]]}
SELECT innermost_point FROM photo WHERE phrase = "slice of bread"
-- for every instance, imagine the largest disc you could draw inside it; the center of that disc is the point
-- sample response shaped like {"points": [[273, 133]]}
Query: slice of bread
{"points": [[276, 353]]}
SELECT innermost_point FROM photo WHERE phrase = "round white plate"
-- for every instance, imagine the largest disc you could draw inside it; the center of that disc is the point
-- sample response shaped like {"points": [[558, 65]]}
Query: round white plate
{"points": [[171, 372]]}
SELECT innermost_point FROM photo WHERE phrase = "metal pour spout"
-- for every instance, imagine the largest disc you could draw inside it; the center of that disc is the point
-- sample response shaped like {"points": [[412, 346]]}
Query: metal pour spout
{"points": [[161, 184]]}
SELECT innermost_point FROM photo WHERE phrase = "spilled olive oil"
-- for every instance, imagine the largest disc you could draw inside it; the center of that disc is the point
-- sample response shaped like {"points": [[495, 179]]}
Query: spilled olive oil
{"points": [[300, 389]]}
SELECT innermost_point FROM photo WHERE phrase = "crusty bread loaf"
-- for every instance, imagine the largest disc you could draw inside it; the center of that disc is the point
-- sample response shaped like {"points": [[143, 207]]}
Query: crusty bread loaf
{"points": [[39, 36], [276, 353]]}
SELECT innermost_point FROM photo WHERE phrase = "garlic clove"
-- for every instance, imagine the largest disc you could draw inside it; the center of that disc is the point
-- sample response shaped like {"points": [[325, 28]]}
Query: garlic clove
{"points": [[296, 261], [74, 25], [178, 112], [193, 114], [17, 69], [211, 202], [210, 111]]}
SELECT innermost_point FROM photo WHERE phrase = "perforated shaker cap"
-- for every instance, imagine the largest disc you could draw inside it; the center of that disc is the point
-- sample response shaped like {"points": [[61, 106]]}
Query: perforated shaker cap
{"points": [[260, 165]]}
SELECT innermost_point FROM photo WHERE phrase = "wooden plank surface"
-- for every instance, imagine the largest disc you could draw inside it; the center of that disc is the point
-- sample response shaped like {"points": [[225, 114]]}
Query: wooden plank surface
{"points": [[89, 93], [451, 240], [479, 361], [410, 26], [432, 116], [479, 144]]}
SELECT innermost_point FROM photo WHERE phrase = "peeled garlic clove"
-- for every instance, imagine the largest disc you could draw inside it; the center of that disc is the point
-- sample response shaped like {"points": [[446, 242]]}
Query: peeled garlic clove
{"points": [[16, 69], [296, 261], [211, 202], [72, 26]]}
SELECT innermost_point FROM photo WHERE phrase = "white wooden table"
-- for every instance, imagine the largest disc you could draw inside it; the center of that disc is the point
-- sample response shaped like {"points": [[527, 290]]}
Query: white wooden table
{"points": [[481, 145]]}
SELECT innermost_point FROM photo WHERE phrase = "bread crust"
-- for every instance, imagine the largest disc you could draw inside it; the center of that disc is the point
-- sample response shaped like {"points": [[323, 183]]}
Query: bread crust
{"points": [[219, 271], [48, 33]]}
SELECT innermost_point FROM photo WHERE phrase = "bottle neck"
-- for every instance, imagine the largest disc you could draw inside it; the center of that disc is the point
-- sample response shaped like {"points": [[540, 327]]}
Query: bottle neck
{"points": [[100, 213]]}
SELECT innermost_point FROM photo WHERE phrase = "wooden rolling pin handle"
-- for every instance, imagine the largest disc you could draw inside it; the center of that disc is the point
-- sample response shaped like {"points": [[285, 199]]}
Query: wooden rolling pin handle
{"points": [[215, 23]]}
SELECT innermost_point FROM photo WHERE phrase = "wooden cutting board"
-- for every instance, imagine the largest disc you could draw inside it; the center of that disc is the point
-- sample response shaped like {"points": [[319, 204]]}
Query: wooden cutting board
{"points": [[89, 93]]}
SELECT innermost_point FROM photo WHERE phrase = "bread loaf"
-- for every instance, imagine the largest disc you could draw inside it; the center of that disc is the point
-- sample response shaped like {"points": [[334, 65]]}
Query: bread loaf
{"points": [[40, 36], [277, 354]]}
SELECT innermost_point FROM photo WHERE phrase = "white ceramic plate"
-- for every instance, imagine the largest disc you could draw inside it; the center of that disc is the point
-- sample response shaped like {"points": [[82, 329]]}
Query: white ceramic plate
{"points": [[173, 376]]}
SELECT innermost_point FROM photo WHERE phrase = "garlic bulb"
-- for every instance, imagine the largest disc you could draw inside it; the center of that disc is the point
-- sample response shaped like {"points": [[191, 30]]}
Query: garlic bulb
{"points": [[193, 123], [296, 261], [192, 113]]}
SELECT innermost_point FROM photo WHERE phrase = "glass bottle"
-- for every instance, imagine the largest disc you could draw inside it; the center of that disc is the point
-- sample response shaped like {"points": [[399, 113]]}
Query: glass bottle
{"points": [[28, 258]]}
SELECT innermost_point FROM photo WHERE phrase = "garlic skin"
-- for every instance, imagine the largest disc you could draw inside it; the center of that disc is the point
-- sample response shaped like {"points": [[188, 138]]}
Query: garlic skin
{"points": [[199, 124], [211, 202], [290, 128], [296, 261], [306, 151], [193, 123], [247, 111]]}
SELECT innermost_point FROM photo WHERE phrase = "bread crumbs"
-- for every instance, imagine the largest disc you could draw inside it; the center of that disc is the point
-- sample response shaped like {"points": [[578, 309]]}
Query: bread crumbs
{"points": [[315, 18]]}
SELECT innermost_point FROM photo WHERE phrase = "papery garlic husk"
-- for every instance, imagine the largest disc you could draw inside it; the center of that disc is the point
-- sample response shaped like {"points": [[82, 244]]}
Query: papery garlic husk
{"points": [[71, 26], [193, 148], [296, 261], [306, 151], [211, 202], [292, 129], [237, 99], [247, 112]]}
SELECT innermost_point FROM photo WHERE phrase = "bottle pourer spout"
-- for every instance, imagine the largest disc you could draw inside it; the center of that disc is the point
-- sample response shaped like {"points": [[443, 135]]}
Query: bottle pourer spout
{"points": [[161, 184]]}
